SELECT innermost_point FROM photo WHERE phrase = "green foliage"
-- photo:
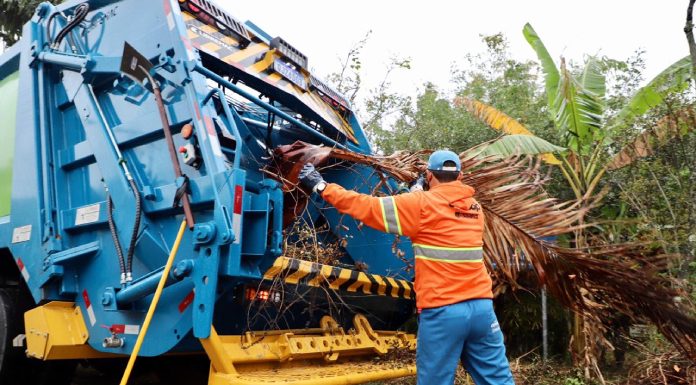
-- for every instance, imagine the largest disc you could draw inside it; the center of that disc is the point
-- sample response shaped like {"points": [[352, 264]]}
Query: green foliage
{"points": [[434, 123], [673, 79], [13, 16], [660, 191], [573, 381], [493, 78], [594, 109], [521, 311], [577, 110], [348, 80], [575, 105], [382, 102]]}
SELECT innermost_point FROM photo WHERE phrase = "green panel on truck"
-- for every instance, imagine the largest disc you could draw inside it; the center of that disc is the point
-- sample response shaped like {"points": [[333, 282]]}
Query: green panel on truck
{"points": [[8, 117]]}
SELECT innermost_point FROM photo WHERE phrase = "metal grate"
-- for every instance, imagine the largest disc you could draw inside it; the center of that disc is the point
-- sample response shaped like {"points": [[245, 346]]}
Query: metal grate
{"points": [[328, 91], [222, 20], [291, 53]]}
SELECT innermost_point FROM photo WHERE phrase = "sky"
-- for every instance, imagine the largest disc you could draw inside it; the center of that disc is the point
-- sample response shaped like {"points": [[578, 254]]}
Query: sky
{"points": [[437, 34]]}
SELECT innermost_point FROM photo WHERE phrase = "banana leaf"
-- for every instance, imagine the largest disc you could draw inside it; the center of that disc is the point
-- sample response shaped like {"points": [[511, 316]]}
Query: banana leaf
{"points": [[551, 74], [511, 145], [674, 78], [500, 121]]}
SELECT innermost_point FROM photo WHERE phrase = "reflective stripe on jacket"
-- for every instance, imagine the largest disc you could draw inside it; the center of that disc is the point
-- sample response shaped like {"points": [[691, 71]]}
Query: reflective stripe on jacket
{"points": [[445, 225]]}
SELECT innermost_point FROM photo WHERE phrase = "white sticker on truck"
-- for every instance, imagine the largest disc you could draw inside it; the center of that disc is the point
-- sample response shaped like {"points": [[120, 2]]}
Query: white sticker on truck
{"points": [[87, 214], [21, 234]]}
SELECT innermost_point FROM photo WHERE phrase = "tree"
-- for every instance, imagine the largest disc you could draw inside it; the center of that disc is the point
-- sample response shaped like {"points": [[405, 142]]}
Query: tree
{"points": [[432, 122], [13, 16], [381, 102], [577, 104], [689, 31], [348, 80]]}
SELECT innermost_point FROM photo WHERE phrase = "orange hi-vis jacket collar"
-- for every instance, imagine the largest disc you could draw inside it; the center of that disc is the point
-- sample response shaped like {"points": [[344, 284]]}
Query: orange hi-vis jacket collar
{"points": [[445, 225]]}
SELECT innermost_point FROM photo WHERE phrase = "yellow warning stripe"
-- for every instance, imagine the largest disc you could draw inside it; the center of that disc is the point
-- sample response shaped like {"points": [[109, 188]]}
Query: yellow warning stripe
{"points": [[257, 69], [246, 53], [210, 47], [295, 271]]}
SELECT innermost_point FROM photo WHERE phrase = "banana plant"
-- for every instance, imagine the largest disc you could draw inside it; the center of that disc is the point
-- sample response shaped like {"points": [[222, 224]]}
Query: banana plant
{"points": [[577, 107]]}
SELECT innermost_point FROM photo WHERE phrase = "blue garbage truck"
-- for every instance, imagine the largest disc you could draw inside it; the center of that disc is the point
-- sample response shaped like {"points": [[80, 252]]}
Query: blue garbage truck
{"points": [[123, 122]]}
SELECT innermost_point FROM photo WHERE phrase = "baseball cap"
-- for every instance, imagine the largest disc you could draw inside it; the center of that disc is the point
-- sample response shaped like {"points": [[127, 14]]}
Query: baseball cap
{"points": [[437, 161]]}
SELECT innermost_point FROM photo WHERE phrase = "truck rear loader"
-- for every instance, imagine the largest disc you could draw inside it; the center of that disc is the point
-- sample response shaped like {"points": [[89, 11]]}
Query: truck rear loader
{"points": [[124, 121]]}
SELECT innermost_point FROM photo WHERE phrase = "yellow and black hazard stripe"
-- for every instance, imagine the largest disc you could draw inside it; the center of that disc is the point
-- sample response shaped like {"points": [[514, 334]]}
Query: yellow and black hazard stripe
{"points": [[254, 60], [299, 272]]}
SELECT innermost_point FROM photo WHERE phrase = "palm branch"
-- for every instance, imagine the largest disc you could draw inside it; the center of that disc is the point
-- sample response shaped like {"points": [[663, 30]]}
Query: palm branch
{"points": [[520, 218], [647, 141]]}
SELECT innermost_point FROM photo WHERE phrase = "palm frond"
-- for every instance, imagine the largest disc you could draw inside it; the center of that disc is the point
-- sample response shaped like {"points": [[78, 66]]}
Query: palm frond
{"points": [[646, 142], [520, 219]]}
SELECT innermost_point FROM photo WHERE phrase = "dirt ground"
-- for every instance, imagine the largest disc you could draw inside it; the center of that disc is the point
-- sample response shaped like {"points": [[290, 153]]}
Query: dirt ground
{"points": [[189, 370]]}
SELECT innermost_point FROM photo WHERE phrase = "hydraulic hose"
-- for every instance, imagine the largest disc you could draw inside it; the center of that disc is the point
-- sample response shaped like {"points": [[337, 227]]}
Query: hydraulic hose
{"points": [[131, 182], [153, 304], [49, 39], [78, 16], [136, 228], [114, 236]]}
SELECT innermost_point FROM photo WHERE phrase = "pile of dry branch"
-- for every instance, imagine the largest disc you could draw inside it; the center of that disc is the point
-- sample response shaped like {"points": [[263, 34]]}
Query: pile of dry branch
{"points": [[520, 216]]}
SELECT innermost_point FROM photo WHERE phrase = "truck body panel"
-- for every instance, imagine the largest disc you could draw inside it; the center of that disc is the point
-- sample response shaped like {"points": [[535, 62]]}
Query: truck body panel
{"points": [[80, 129]]}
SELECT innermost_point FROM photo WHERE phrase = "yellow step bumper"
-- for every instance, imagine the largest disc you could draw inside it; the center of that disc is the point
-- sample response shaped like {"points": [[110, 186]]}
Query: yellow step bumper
{"points": [[342, 373], [322, 356]]}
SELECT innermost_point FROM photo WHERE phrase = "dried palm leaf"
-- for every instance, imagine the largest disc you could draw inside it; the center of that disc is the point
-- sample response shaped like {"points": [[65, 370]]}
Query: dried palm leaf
{"points": [[520, 219], [645, 143]]}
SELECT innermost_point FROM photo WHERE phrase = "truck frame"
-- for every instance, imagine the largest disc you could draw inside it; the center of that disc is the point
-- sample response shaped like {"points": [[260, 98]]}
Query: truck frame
{"points": [[123, 119]]}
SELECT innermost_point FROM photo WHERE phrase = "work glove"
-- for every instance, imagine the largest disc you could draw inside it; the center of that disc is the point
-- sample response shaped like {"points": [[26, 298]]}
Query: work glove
{"points": [[419, 184], [310, 177]]}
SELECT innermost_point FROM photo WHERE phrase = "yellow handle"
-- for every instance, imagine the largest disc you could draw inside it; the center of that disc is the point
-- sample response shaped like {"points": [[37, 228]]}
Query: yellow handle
{"points": [[153, 304]]}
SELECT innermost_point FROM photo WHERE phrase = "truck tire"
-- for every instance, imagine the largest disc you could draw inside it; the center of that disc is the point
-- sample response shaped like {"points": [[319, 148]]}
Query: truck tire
{"points": [[15, 367], [8, 329]]}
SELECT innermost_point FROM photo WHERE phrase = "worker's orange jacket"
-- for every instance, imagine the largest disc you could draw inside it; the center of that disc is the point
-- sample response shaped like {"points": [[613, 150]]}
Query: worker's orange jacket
{"points": [[445, 225]]}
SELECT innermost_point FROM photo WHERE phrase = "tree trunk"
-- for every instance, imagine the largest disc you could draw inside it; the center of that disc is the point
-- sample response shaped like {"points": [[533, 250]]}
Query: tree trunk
{"points": [[689, 31]]}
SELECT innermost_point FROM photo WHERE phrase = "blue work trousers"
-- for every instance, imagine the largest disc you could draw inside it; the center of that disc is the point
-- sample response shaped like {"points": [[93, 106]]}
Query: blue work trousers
{"points": [[468, 331]]}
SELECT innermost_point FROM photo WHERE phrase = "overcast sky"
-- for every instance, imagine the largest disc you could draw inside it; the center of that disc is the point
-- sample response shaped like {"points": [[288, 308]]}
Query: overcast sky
{"points": [[436, 33]]}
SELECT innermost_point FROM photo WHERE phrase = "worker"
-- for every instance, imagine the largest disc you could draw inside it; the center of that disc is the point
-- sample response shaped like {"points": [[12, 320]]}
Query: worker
{"points": [[453, 289]]}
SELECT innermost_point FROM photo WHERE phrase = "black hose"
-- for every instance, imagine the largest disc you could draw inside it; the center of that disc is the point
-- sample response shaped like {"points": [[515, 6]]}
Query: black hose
{"points": [[78, 16], [114, 235], [48, 26], [269, 131], [136, 228]]}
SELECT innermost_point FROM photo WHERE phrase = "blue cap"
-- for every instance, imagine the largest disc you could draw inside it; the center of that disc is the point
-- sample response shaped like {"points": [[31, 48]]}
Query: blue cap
{"points": [[437, 160]]}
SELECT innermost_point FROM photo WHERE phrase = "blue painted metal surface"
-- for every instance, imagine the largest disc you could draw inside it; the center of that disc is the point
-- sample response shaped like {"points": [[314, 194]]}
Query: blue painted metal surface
{"points": [[73, 104]]}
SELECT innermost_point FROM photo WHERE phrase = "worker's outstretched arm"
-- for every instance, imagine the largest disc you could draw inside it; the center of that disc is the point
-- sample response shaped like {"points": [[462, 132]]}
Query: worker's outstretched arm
{"points": [[397, 214]]}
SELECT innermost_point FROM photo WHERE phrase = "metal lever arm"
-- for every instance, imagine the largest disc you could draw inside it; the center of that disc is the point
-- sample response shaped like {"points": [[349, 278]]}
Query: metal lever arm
{"points": [[188, 213]]}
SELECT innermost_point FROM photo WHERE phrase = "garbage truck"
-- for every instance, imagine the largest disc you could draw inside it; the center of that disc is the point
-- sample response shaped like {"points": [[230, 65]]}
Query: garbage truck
{"points": [[136, 143]]}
